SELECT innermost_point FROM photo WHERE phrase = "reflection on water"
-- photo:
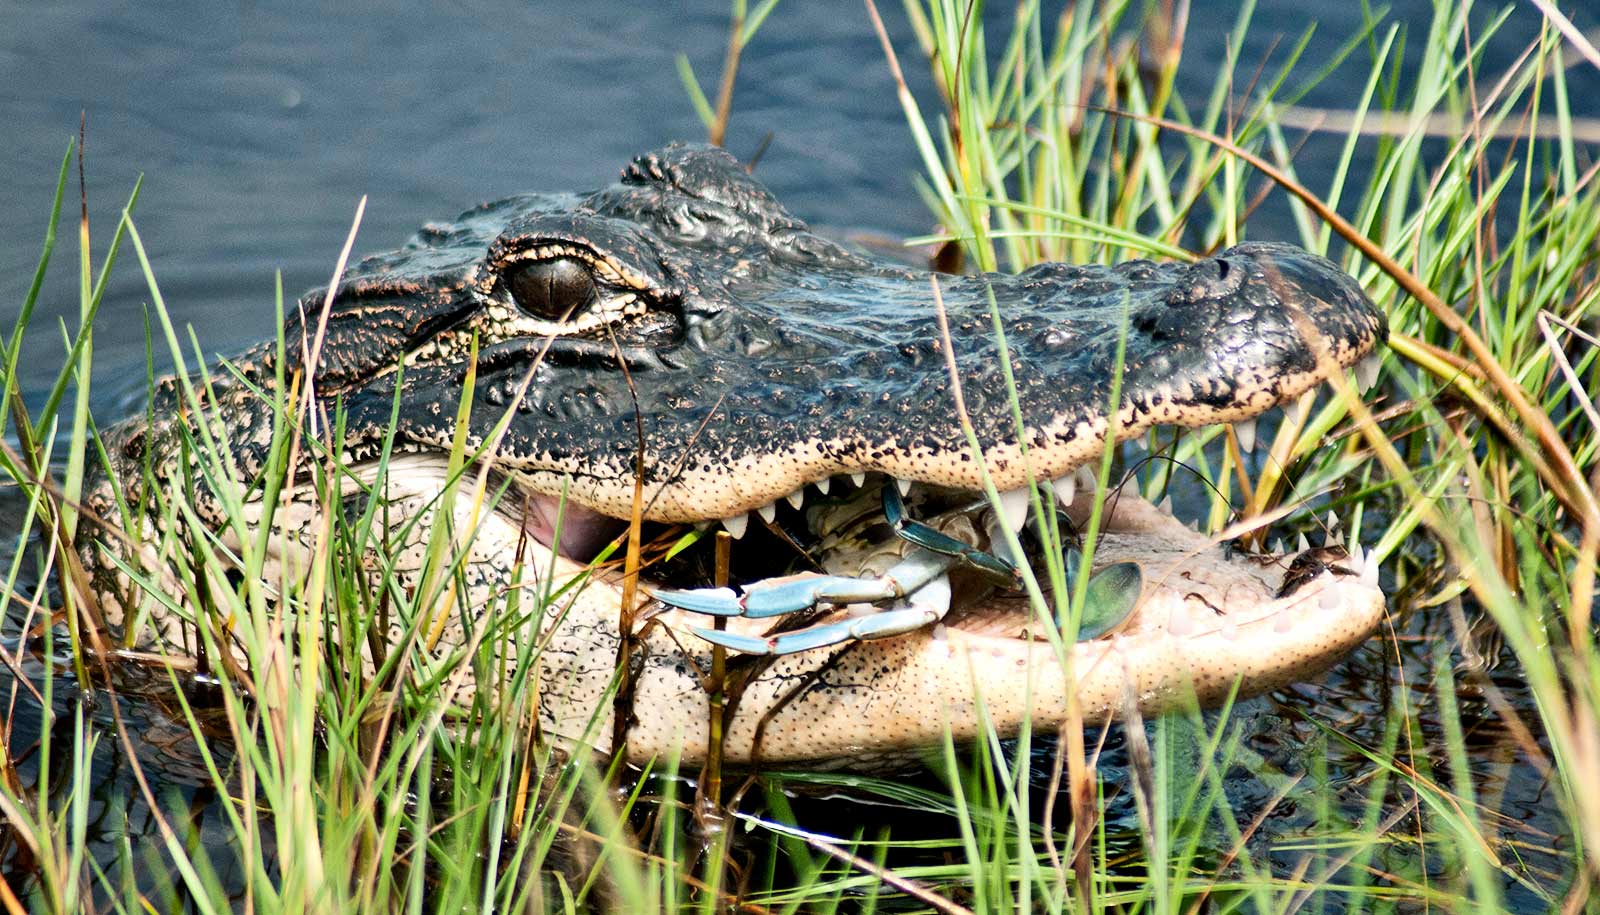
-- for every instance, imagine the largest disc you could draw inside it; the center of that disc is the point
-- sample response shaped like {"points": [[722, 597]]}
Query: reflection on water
{"points": [[125, 839], [258, 127]]}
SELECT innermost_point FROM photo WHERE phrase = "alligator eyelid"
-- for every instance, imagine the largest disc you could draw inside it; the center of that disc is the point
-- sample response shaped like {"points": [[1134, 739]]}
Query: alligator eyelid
{"points": [[606, 268]]}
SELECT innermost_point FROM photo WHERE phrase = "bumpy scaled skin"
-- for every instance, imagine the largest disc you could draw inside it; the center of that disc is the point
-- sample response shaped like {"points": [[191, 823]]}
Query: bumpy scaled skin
{"points": [[763, 358]]}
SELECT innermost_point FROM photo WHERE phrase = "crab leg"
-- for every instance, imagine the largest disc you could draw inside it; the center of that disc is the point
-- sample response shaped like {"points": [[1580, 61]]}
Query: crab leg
{"points": [[793, 593], [894, 512]]}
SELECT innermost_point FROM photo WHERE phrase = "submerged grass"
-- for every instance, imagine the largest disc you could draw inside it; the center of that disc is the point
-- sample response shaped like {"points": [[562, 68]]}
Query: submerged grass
{"points": [[1469, 474]]}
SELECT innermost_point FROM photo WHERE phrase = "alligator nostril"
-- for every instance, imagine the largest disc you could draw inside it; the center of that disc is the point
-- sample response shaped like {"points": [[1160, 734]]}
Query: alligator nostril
{"points": [[1227, 276], [1207, 279]]}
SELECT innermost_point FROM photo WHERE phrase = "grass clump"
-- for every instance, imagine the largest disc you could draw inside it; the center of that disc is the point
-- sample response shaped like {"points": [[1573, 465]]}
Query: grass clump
{"points": [[1469, 475], [323, 788]]}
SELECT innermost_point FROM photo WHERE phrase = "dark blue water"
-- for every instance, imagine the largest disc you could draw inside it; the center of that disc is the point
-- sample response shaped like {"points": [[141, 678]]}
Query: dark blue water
{"points": [[259, 126]]}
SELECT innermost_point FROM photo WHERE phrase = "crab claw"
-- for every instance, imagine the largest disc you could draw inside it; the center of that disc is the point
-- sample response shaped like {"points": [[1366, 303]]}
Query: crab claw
{"points": [[1112, 595], [787, 643], [931, 603], [878, 625], [710, 601], [788, 594], [793, 593]]}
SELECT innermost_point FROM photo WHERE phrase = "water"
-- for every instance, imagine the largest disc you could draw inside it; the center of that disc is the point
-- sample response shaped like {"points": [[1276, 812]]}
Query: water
{"points": [[259, 126]]}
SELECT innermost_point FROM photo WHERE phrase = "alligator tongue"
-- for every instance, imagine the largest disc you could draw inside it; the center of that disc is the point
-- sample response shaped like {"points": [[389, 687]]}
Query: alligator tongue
{"points": [[582, 531]]}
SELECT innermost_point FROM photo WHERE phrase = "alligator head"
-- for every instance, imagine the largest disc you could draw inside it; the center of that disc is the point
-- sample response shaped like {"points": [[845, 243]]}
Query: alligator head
{"points": [[680, 328]]}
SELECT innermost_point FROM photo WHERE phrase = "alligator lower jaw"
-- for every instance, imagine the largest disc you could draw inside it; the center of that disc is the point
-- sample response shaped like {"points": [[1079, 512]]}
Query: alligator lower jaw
{"points": [[1206, 624]]}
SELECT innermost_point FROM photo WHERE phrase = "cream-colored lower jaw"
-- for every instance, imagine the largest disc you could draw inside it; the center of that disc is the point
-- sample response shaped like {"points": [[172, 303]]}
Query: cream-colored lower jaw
{"points": [[1205, 625]]}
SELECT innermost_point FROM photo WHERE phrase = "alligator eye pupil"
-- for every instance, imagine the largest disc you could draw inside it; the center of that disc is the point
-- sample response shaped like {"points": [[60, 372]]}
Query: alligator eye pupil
{"points": [[552, 289]]}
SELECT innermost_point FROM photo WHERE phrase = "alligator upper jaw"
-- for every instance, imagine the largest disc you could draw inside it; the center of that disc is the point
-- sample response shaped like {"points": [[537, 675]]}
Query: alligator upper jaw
{"points": [[807, 372]]}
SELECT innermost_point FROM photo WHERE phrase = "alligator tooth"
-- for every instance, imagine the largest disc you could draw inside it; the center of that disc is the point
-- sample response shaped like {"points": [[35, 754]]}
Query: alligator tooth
{"points": [[859, 478], [1246, 431], [1066, 488], [1014, 508], [1278, 548], [736, 524], [1369, 573], [903, 485], [797, 498], [1367, 371], [1166, 503], [1329, 598], [1333, 520], [1085, 477], [998, 544], [768, 512], [1139, 444], [1358, 559], [1179, 622], [702, 525], [1302, 544], [823, 484]]}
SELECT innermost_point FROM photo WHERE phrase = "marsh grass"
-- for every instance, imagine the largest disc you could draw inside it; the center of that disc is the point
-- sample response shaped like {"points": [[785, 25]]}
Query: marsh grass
{"points": [[1470, 475], [341, 788]]}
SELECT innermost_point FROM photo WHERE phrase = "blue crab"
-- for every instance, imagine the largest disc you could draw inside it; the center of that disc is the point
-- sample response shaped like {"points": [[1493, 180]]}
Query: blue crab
{"points": [[899, 585]]}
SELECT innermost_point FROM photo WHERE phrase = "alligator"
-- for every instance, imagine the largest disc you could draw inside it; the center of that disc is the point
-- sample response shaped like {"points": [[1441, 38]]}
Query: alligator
{"points": [[681, 330]]}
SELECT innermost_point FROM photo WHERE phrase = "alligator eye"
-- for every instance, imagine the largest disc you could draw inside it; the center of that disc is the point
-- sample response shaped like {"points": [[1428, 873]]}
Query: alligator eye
{"points": [[552, 289]]}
